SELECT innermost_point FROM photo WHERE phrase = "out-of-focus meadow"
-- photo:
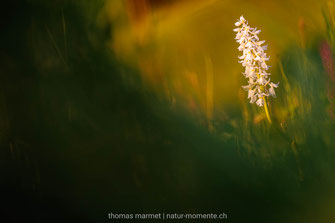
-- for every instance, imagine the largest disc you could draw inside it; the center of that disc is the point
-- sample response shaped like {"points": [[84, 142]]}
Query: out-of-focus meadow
{"points": [[136, 106]]}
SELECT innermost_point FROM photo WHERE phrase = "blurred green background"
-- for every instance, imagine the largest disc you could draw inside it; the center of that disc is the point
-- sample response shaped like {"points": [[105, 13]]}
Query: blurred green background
{"points": [[136, 106]]}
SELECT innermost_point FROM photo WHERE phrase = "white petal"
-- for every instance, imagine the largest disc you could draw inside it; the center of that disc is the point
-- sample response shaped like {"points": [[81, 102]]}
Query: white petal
{"points": [[260, 102], [272, 92], [246, 87], [260, 42], [265, 58], [253, 99], [274, 85]]}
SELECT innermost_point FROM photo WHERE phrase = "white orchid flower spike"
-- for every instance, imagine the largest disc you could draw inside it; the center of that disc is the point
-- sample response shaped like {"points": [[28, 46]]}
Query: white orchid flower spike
{"points": [[254, 60]]}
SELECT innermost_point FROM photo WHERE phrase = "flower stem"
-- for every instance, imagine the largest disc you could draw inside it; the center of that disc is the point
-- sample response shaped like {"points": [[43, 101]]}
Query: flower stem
{"points": [[265, 104], [267, 111]]}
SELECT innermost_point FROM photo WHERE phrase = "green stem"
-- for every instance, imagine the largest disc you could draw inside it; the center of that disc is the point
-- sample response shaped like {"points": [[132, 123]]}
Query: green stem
{"points": [[267, 111], [265, 104]]}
